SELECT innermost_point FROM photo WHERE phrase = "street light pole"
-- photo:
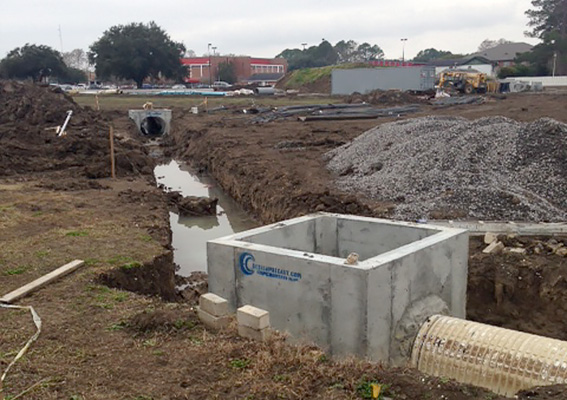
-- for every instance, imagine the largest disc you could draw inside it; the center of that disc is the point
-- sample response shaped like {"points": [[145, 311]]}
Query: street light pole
{"points": [[554, 62], [209, 51], [404, 40], [214, 48]]}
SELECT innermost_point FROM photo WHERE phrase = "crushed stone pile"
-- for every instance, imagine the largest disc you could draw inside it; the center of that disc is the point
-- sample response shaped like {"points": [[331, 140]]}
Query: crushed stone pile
{"points": [[492, 168], [29, 143]]}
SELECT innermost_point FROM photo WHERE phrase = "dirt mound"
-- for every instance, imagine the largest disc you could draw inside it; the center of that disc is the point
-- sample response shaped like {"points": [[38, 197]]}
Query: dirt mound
{"points": [[385, 97], [29, 115]]}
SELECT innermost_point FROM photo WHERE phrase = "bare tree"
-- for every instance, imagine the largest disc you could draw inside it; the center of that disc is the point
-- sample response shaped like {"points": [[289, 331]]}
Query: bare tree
{"points": [[489, 44], [76, 59]]}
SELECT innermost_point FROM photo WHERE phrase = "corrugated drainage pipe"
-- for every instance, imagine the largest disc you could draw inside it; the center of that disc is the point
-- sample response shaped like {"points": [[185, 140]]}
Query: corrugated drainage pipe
{"points": [[498, 359]]}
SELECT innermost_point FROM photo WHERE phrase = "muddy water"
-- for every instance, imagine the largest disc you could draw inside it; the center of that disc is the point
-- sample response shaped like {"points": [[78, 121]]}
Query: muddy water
{"points": [[190, 234]]}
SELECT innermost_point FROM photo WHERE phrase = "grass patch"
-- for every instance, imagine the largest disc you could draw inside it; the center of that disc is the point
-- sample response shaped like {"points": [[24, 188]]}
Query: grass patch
{"points": [[120, 297], [17, 271], [146, 238], [371, 389], [305, 76], [89, 262], [239, 363], [6, 208], [119, 259], [117, 327], [98, 288], [131, 265], [77, 233], [42, 253]]}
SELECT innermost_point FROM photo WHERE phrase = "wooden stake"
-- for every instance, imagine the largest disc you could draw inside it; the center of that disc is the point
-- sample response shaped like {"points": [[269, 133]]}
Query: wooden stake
{"points": [[112, 169], [97, 103]]}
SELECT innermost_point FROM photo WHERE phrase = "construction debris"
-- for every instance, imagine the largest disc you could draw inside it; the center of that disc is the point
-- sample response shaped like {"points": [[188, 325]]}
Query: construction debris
{"points": [[494, 248], [331, 112], [456, 101], [451, 168]]}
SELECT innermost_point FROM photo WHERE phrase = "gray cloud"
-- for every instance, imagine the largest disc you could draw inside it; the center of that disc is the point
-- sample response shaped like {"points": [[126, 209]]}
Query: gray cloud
{"points": [[265, 29]]}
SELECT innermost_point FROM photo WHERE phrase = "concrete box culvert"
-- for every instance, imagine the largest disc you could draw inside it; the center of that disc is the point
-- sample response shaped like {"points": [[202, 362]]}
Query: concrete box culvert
{"points": [[296, 270], [151, 122]]}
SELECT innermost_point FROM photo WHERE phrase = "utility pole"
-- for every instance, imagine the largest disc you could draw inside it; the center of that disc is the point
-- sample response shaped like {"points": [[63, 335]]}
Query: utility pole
{"points": [[404, 40], [214, 51], [304, 44], [210, 69], [60, 39]]}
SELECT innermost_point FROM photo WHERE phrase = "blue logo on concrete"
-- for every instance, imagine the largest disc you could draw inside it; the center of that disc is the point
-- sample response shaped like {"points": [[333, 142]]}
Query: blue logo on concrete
{"points": [[246, 262], [248, 266]]}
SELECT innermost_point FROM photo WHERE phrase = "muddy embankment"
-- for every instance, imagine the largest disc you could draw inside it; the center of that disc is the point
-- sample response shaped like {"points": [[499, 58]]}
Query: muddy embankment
{"points": [[274, 170]]}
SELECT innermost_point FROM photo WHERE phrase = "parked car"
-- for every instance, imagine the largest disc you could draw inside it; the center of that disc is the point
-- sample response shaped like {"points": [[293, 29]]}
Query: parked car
{"points": [[221, 85], [179, 87]]}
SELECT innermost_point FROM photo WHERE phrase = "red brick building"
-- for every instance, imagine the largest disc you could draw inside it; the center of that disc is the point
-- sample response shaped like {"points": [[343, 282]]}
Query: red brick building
{"points": [[205, 69]]}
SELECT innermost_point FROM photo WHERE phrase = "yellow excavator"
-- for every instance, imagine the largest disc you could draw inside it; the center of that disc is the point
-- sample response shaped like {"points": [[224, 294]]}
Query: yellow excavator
{"points": [[464, 81]]}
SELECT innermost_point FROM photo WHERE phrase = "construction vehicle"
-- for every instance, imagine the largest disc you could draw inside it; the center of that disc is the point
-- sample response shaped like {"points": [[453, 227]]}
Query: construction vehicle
{"points": [[463, 80]]}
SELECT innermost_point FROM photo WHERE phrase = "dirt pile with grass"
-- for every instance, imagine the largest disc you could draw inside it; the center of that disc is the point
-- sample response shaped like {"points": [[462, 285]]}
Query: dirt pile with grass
{"points": [[29, 115]]}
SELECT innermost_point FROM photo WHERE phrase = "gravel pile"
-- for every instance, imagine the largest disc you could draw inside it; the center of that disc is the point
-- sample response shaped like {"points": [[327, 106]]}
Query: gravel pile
{"points": [[452, 168]]}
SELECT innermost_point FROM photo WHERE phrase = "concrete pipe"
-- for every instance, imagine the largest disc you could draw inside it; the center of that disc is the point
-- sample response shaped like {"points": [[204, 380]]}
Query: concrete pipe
{"points": [[265, 91], [497, 359]]}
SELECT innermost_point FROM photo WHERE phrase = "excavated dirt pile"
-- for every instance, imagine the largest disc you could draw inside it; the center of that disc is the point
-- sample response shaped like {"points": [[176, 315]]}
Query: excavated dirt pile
{"points": [[29, 142], [450, 167]]}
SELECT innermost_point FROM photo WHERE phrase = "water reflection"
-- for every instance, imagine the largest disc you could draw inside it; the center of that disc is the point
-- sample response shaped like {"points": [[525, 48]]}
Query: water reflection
{"points": [[190, 234]]}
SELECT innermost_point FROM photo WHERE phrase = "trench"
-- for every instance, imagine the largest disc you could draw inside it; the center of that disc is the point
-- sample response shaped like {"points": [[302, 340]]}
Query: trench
{"points": [[190, 234]]}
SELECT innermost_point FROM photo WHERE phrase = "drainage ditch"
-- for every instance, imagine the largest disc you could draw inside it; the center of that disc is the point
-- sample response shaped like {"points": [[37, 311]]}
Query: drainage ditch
{"points": [[190, 234]]}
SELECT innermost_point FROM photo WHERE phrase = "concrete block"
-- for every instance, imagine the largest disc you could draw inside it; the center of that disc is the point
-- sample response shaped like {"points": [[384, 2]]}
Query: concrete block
{"points": [[515, 250], [253, 317], [212, 322], [494, 248], [213, 304], [254, 334], [490, 237]]}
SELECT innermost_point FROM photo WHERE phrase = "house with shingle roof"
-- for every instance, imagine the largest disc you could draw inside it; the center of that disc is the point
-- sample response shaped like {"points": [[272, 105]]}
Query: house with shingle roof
{"points": [[504, 55]]}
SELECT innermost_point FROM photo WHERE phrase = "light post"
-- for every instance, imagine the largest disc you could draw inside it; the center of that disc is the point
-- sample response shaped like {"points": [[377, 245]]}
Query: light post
{"points": [[404, 40], [209, 51], [214, 48], [554, 62]]}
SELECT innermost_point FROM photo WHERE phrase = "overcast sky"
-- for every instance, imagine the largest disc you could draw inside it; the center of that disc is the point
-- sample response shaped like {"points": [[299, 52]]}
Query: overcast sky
{"points": [[265, 28]]}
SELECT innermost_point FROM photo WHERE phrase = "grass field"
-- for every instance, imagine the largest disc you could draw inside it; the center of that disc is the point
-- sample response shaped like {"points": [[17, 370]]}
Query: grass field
{"points": [[124, 102]]}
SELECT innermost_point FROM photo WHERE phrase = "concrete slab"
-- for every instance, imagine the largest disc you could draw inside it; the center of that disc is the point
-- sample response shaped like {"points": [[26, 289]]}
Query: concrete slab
{"points": [[254, 334], [213, 304], [253, 317], [211, 321], [296, 270]]}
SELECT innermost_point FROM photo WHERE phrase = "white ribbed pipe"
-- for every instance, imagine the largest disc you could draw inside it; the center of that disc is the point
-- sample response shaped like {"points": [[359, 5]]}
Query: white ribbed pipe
{"points": [[498, 359]]}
